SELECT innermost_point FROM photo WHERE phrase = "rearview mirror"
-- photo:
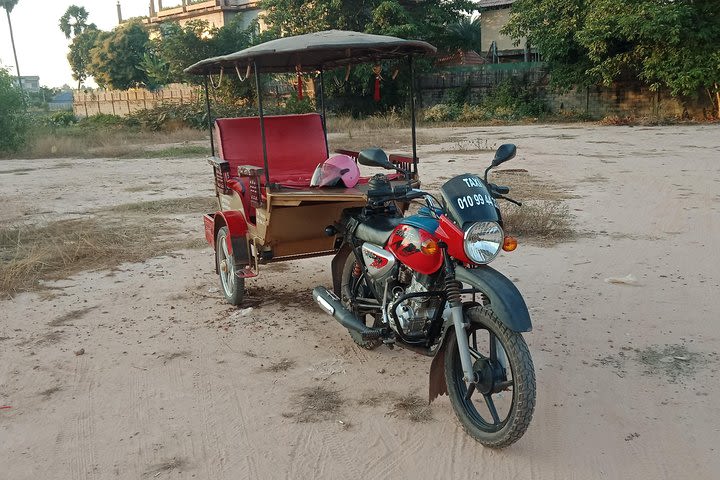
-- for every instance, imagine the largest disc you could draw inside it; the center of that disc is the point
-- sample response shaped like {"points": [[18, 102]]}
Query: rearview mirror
{"points": [[506, 152], [375, 157]]}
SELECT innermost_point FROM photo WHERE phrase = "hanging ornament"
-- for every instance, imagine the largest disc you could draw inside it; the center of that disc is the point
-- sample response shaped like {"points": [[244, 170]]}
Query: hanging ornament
{"points": [[377, 70], [298, 69]]}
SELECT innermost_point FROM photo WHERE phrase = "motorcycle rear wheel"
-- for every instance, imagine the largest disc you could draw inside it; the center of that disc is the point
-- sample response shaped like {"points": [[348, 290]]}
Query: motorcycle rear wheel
{"points": [[349, 285], [506, 374]]}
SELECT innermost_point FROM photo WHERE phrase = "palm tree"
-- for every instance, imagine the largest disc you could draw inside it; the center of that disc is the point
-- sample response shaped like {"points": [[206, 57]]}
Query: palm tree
{"points": [[74, 21], [8, 5], [465, 34]]}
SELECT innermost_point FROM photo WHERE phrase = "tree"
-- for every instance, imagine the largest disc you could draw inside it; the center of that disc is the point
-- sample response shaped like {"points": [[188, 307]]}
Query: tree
{"points": [[465, 34], [116, 57], [14, 122], [74, 21], [551, 26], [181, 46], [8, 5], [296, 17], [79, 54], [672, 44]]}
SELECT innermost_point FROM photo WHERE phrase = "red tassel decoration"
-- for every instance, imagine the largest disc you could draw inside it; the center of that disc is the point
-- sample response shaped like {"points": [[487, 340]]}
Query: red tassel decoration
{"points": [[299, 82], [377, 70]]}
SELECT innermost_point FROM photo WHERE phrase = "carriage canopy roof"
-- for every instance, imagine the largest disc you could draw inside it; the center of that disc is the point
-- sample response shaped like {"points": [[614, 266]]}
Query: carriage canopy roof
{"points": [[313, 51]]}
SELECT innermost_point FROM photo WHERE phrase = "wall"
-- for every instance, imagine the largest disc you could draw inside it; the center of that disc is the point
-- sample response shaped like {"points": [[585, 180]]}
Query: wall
{"points": [[491, 22], [622, 99], [124, 102]]}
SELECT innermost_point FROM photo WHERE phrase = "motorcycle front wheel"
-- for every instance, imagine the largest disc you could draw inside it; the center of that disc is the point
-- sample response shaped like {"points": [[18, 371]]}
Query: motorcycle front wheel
{"points": [[498, 411]]}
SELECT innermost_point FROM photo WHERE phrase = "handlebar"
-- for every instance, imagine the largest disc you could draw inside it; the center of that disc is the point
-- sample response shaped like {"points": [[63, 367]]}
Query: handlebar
{"points": [[499, 189]]}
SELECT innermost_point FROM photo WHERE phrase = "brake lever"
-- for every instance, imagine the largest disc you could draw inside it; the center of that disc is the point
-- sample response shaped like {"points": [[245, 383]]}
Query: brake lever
{"points": [[502, 197]]}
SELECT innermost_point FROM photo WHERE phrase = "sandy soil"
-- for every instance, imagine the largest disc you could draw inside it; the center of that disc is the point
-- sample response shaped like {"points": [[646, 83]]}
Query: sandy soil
{"points": [[175, 384]]}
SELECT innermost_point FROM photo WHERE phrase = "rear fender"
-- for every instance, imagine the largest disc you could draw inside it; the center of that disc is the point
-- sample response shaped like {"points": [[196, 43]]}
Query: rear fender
{"points": [[336, 266], [237, 229]]}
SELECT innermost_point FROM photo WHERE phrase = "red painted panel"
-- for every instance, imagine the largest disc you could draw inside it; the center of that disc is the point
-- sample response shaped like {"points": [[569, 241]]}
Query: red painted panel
{"points": [[209, 222], [449, 233], [406, 242], [295, 145]]}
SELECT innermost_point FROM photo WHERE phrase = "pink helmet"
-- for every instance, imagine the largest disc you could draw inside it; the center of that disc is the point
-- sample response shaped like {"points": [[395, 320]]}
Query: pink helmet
{"points": [[336, 170]]}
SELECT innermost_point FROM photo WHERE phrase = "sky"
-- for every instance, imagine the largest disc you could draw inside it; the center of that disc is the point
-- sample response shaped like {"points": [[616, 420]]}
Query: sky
{"points": [[42, 48]]}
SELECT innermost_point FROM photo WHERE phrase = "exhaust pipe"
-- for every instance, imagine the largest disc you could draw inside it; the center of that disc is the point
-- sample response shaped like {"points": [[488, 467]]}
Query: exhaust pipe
{"points": [[331, 304]]}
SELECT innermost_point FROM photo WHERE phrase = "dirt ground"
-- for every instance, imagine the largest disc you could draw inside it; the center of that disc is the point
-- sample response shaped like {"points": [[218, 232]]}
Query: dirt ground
{"points": [[172, 383]]}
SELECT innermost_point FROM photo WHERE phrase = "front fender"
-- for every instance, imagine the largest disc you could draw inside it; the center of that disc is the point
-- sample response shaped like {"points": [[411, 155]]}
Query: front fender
{"points": [[505, 299]]}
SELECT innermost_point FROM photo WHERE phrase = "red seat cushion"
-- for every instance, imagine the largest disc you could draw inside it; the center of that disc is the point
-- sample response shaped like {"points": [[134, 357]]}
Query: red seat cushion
{"points": [[295, 145]]}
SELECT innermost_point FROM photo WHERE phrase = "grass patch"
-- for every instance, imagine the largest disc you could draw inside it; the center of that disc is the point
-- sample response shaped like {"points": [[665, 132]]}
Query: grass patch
{"points": [[315, 404], [65, 319], [390, 131], [674, 362], [177, 151], [547, 221], [543, 216], [170, 206], [413, 407], [281, 365], [117, 142], [124, 233]]}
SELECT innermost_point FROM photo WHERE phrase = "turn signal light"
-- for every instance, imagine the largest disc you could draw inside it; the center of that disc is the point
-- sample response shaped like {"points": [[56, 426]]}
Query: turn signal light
{"points": [[509, 244], [429, 247]]}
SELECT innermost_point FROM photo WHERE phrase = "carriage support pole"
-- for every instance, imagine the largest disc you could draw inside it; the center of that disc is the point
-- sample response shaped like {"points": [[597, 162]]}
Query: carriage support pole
{"points": [[209, 116], [322, 107], [262, 123], [412, 113]]}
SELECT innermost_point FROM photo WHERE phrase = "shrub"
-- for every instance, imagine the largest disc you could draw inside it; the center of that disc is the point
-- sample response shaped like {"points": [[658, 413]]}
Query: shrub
{"points": [[442, 112], [14, 120], [61, 119]]}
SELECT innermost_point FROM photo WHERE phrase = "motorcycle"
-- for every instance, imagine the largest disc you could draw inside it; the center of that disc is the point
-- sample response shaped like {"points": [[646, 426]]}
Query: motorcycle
{"points": [[422, 282]]}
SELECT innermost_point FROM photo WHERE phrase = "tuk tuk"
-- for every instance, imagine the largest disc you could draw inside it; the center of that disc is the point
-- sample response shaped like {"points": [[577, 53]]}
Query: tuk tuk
{"points": [[262, 166]]}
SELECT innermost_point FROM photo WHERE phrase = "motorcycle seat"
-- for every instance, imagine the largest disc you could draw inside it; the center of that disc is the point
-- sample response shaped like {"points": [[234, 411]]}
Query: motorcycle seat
{"points": [[377, 230]]}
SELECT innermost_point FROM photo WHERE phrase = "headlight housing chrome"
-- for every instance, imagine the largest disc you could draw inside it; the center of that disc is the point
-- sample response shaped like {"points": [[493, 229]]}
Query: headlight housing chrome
{"points": [[483, 241]]}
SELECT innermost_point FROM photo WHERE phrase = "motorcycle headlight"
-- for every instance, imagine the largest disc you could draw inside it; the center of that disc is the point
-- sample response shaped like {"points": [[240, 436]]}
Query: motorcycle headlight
{"points": [[483, 241]]}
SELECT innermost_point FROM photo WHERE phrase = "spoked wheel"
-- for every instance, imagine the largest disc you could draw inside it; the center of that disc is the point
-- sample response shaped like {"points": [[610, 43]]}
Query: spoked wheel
{"points": [[499, 410], [232, 286], [352, 288]]}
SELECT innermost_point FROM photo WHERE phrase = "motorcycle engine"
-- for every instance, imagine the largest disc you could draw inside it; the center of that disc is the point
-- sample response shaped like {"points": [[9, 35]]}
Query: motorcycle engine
{"points": [[413, 313]]}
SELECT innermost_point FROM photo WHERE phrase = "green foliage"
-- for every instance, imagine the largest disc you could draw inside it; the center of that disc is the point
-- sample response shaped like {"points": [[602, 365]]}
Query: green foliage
{"points": [[14, 122], [116, 57], [180, 46], [192, 115], [391, 18], [667, 44], [8, 4], [60, 119], [74, 21], [511, 100], [79, 54], [295, 105], [464, 34], [296, 17]]}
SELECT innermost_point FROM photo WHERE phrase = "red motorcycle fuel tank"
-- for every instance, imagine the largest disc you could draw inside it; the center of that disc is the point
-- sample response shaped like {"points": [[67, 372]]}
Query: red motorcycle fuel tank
{"points": [[414, 244]]}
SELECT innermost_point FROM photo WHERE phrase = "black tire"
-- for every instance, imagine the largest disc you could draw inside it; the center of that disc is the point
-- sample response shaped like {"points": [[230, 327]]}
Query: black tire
{"points": [[489, 430], [231, 286], [346, 289]]}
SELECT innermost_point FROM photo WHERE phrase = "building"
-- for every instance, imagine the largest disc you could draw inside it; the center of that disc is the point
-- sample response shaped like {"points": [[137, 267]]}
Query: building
{"points": [[216, 12], [30, 84], [499, 48], [61, 101]]}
